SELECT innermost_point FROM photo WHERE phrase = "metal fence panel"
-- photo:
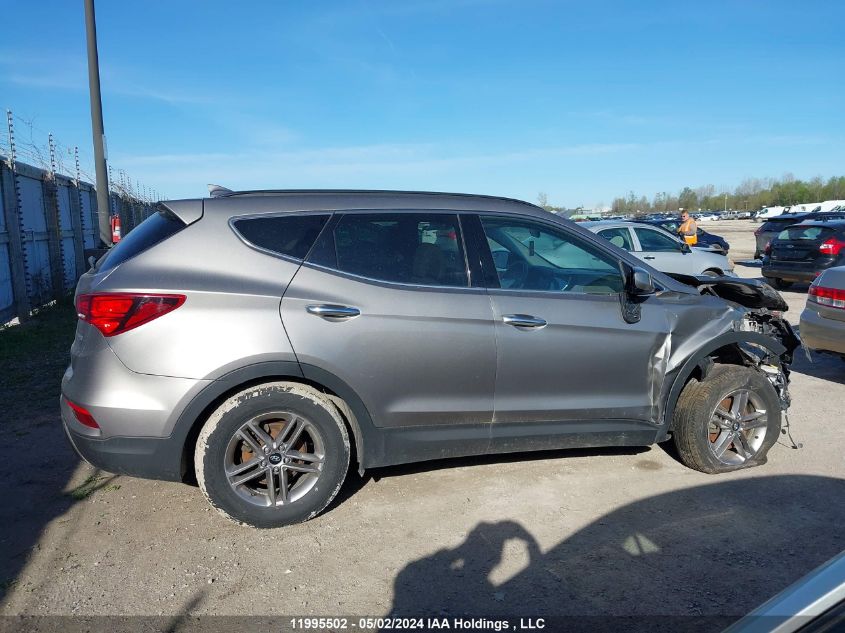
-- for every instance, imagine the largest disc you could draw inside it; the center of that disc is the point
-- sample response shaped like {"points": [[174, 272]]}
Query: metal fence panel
{"points": [[46, 222], [35, 239]]}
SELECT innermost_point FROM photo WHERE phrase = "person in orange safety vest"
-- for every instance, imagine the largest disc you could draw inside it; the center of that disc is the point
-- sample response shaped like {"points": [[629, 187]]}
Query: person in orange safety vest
{"points": [[688, 229]]}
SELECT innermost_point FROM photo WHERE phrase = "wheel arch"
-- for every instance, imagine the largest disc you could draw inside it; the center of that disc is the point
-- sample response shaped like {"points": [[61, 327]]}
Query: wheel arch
{"points": [[349, 405], [725, 349]]}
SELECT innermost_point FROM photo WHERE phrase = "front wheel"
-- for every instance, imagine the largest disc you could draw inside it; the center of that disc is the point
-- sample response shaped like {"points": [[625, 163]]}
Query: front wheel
{"points": [[272, 455], [728, 421]]}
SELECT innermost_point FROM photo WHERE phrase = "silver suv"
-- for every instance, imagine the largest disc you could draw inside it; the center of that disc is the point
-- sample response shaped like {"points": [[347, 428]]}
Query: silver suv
{"points": [[261, 340]]}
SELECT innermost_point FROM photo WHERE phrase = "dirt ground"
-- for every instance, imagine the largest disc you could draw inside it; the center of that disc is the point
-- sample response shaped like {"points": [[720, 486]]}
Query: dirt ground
{"points": [[621, 532]]}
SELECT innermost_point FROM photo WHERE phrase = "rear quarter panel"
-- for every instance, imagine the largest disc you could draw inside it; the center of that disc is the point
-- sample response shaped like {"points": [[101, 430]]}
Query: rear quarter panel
{"points": [[230, 316]]}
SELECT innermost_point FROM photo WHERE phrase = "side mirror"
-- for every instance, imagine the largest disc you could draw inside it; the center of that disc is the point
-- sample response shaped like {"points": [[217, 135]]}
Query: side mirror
{"points": [[685, 248], [641, 283]]}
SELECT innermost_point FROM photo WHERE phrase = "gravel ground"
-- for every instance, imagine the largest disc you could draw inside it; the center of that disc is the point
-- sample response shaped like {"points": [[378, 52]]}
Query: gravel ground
{"points": [[625, 532]]}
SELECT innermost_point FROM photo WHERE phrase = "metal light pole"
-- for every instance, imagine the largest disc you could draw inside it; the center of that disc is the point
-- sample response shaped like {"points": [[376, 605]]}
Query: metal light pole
{"points": [[97, 124]]}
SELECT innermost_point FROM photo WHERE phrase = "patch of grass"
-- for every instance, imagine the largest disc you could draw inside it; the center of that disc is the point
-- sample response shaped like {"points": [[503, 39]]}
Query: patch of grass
{"points": [[33, 357], [87, 487]]}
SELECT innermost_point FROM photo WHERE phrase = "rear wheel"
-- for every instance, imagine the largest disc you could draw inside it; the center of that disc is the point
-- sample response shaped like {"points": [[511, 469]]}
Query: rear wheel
{"points": [[781, 284], [728, 421], [272, 455]]}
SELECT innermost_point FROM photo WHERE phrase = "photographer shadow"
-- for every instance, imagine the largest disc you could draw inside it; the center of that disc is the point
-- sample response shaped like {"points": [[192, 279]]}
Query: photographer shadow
{"points": [[693, 559]]}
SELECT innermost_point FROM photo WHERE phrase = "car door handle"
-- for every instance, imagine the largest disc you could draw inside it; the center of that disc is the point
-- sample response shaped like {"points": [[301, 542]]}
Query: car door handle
{"points": [[332, 311], [523, 320], [648, 256]]}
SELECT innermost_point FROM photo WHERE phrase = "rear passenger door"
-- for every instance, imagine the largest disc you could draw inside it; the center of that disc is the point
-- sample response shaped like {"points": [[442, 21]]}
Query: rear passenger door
{"points": [[384, 302]]}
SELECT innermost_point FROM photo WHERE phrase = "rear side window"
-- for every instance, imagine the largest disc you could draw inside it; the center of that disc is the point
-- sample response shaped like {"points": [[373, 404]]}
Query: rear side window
{"points": [[292, 235], [154, 230], [799, 232], [619, 236], [413, 248]]}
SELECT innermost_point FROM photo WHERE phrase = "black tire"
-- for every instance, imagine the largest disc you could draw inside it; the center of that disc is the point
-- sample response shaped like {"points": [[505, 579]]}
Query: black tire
{"points": [[214, 444], [692, 428], [781, 284]]}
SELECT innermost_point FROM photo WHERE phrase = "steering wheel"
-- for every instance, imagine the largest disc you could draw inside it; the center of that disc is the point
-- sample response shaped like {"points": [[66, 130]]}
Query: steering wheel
{"points": [[514, 275]]}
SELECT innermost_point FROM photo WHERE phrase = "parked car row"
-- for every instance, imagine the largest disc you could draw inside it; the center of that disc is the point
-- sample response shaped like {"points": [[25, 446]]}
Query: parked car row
{"points": [[705, 240], [807, 207]]}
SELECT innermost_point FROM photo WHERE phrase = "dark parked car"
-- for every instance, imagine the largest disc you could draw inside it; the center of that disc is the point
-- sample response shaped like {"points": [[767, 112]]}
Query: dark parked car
{"points": [[261, 340], [705, 239], [802, 251], [771, 227]]}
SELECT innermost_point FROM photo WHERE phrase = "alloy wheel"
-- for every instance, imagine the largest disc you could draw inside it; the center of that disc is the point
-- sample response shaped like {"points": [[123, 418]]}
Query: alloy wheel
{"points": [[737, 427], [274, 459]]}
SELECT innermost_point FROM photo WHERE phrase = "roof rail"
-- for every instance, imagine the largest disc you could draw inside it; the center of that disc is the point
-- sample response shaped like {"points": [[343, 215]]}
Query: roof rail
{"points": [[259, 192]]}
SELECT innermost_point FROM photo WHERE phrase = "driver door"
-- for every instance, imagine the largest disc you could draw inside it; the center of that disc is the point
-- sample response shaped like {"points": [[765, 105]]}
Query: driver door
{"points": [[567, 362]]}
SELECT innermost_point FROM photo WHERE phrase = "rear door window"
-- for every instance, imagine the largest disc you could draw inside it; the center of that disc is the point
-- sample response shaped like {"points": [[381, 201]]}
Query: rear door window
{"points": [[154, 230], [289, 235], [423, 249]]}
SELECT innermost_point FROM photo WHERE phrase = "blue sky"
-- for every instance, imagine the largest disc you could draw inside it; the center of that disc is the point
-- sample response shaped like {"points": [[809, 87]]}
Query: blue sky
{"points": [[583, 101]]}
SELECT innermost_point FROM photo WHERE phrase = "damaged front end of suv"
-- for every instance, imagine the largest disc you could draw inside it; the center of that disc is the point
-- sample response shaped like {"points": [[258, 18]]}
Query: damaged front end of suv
{"points": [[743, 347], [763, 317]]}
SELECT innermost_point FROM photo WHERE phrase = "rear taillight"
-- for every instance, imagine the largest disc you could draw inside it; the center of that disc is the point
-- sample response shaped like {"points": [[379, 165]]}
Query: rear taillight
{"points": [[832, 246], [83, 415], [767, 249], [832, 297], [118, 312]]}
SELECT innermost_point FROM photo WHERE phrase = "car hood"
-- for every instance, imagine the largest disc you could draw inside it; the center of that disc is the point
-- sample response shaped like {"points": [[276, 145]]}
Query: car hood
{"points": [[751, 293]]}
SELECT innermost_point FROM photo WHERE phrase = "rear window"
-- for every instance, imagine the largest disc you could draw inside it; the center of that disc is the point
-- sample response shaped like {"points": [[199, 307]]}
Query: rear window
{"points": [[804, 233], [154, 230], [292, 236]]}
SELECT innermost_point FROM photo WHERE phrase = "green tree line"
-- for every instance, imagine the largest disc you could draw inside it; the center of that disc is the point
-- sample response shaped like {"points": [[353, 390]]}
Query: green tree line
{"points": [[750, 194]]}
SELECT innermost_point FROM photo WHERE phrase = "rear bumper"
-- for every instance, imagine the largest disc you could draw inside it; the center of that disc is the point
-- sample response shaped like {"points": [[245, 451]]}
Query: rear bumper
{"points": [[821, 334], [146, 457], [789, 274], [136, 413]]}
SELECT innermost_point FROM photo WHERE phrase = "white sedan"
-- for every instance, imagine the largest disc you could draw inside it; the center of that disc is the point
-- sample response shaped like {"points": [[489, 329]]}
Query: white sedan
{"points": [[660, 249]]}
